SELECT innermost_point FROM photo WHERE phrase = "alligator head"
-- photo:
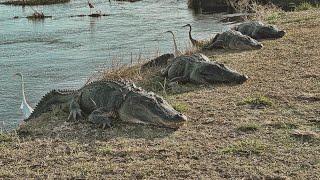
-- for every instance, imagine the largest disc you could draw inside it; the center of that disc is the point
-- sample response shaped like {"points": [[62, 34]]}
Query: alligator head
{"points": [[219, 73], [148, 108], [268, 32], [244, 42]]}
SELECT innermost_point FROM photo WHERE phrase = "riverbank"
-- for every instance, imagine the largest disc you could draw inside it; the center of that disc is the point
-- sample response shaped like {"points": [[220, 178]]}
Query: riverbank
{"points": [[267, 127]]}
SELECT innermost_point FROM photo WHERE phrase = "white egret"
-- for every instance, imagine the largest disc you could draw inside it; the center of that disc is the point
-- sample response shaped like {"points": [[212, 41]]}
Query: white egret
{"points": [[25, 108], [176, 50]]}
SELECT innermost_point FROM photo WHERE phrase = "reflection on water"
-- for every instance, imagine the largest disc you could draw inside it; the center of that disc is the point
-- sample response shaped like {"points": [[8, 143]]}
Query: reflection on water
{"points": [[63, 51]]}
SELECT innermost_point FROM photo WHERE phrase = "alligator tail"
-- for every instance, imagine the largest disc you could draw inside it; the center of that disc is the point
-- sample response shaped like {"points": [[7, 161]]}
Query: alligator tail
{"points": [[51, 98]]}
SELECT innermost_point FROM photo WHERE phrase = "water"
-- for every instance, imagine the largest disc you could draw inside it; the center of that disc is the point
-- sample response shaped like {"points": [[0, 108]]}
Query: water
{"points": [[63, 52]]}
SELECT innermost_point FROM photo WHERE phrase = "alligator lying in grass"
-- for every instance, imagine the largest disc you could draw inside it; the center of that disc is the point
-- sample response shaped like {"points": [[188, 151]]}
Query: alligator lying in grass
{"points": [[109, 98], [196, 68], [158, 61], [232, 39], [258, 30]]}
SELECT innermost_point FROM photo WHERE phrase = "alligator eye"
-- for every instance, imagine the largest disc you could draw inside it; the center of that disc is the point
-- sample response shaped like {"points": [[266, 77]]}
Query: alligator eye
{"points": [[159, 99]]}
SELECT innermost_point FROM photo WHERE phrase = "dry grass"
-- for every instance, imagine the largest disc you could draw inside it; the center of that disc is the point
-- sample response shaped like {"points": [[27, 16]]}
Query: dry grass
{"points": [[222, 139]]}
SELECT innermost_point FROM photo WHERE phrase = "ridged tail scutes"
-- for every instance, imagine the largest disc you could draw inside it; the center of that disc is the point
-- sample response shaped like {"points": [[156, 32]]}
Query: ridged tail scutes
{"points": [[52, 97]]}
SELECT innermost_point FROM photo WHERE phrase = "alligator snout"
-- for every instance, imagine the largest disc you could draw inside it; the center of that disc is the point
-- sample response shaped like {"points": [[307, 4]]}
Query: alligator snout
{"points": [[242, 79], [180, 117], [281, 33], [259, 46], [176, 121]]}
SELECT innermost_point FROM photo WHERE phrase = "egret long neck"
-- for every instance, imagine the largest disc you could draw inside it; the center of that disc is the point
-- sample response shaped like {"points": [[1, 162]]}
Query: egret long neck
{"points": [[190, 37], [174, 43], [22, 88]]}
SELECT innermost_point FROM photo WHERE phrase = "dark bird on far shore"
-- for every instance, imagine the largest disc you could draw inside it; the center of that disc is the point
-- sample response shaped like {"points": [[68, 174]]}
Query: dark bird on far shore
{"points": [[90, 6]]}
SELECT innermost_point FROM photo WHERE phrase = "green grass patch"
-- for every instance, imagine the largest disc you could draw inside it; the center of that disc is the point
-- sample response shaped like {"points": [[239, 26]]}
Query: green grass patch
{"points": [[247, 148], [249, 126], [283, 125], [105, 150], [84, 166], [275, 16], [180, 106], [257, 102], [304, 6], [4, 138], [304, 135]]}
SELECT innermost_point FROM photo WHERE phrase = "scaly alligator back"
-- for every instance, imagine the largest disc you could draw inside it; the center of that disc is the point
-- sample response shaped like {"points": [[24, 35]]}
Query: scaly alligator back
{"points": [[104, 93]]}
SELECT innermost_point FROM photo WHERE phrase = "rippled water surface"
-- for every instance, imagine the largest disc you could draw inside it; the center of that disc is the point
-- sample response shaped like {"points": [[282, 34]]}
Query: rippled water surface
{"points": [[63, 52]]}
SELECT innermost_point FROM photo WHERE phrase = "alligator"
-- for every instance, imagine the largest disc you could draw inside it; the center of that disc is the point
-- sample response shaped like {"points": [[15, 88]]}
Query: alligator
{"points": [[232, 39], [196, 68], [105, 99], [158, 61], [258, 30]]}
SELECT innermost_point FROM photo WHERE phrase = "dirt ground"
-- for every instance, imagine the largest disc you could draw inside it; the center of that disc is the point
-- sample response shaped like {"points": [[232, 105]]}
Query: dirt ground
{"points": [[265, 128]]}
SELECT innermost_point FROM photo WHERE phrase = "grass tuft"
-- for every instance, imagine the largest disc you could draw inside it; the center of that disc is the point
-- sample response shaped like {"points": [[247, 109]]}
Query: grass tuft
{"points": [[283, 125], [249, 126], [4, 138], [105, 150], [275, 16], [257, 102], [304, 134], [247, 148], [180, 106], [304, 6]]}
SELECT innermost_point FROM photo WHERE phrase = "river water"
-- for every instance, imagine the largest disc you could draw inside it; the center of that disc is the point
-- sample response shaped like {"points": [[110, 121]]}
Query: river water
{"points": [[63, 52]]}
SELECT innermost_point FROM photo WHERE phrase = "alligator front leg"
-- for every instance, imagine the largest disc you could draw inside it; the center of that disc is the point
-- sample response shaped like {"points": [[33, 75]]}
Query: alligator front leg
{"points": [[100, 117], [74, 108]]}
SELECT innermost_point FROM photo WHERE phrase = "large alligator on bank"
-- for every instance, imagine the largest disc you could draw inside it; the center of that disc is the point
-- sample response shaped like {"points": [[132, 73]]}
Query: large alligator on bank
{"points": [[234, 40], [258, 30], [196, 68], [109, 98]]}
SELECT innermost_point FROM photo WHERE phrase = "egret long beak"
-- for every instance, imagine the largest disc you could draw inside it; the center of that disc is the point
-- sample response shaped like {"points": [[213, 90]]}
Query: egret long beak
{"points": [[18, 74]]}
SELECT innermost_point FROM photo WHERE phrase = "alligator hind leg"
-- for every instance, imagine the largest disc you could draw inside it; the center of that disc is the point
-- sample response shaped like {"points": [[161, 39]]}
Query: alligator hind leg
{"points": [[100, 118], [180, 79]]}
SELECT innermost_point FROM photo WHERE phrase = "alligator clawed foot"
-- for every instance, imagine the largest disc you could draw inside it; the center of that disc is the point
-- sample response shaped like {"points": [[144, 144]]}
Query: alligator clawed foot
{"points": [[174, 86], [102, 120], [74, 113], [74, 107], [104, 125]]}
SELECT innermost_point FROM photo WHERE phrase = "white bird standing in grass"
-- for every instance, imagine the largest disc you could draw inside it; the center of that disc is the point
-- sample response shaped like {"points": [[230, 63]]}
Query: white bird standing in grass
{"points": [[25, 108], [176, 50]]}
